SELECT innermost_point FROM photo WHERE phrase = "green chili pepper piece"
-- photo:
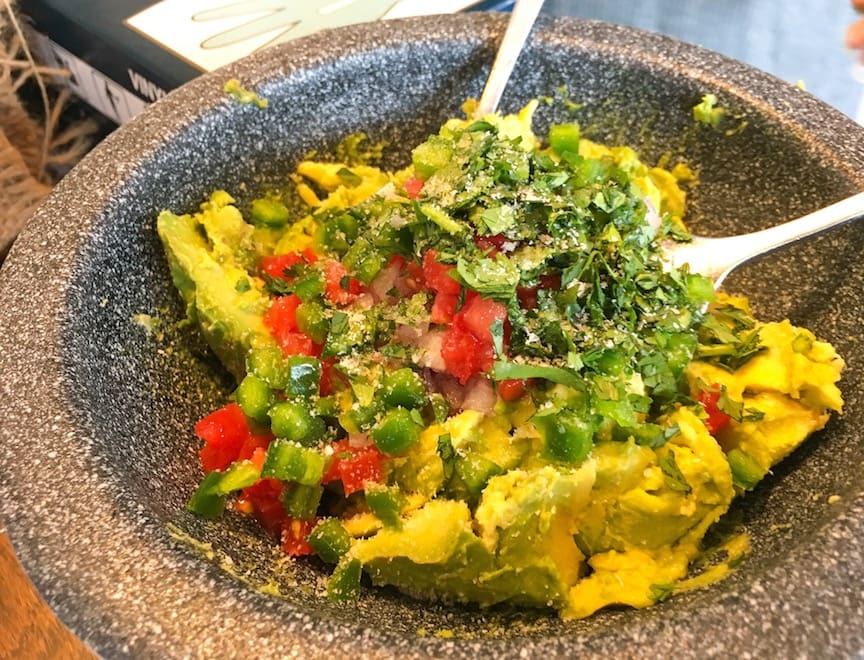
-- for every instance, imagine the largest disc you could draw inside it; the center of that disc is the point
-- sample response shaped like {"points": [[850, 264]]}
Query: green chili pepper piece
{"points": [[292, 420], [269, 213], [254, 397], [329, 540], [396, 432], [311, 320], [269, 365], [302, 501], [746, 472], [304, 375], [405, 388], [475, 472], [289, 461], [564, 137], [364, 260], [386, 502], [344, 584], [209, 499]]}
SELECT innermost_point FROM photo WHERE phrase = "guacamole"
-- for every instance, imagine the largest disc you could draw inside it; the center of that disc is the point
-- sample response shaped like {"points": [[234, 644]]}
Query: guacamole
{"points": [[477, 379]]}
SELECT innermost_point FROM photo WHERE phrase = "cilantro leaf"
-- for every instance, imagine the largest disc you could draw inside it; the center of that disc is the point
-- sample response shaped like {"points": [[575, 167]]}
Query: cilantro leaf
{"points": [[730, 406], [493, 278], [672, 474], [276, 286], [499, 219], [447, 454], [506, 370]]}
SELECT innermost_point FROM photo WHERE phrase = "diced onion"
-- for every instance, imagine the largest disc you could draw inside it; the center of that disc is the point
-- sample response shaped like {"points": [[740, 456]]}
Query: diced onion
{"points": [[479, 395], [384, 281], [430, 343], [358, 440]]}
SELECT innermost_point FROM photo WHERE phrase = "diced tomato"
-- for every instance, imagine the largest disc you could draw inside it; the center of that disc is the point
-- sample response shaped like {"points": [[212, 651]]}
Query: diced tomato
{"points": [[410, 277], [265, 498], [282, 315], [436, 277], [293, 537], [413, 186], [325, 385], [225, 432], [478, 314], [244, 506], [511, 389], [281, 320], [464, 355], [226, 428], [717, 419], [490, 244], [443, 308], [339, 287], [296, 343], [216, 458], [527, 297], [276, 265], [253, 443], [398, 260], [467, 347], [414, 276], [354, 466]]}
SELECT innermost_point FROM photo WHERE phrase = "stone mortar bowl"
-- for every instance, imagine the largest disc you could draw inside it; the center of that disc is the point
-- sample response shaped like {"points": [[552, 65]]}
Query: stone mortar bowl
{"points": [[97, 454]]}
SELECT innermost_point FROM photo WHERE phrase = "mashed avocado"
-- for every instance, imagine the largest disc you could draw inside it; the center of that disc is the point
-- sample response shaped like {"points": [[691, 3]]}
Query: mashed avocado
{"points": [[477, 379]]}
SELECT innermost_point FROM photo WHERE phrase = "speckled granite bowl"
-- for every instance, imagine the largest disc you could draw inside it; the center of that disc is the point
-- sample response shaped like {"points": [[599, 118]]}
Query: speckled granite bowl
{"points": [[97, 452]]}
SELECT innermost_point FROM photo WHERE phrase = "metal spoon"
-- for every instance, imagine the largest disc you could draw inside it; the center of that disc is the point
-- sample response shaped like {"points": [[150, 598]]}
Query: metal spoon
{"points": [[518, 28], [717, 257]]}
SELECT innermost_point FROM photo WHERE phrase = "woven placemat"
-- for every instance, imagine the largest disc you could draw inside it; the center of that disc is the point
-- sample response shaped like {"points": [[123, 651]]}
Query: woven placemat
{"points": [[34, 151]]}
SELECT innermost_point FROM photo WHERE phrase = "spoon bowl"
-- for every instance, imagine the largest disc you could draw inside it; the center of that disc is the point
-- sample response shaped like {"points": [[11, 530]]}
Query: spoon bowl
{"points": [[717, 257]]}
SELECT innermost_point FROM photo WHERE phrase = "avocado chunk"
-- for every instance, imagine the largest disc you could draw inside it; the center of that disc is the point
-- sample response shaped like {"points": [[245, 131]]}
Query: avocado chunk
{"points": [[207, 253], [665, 497], [524, 553]]}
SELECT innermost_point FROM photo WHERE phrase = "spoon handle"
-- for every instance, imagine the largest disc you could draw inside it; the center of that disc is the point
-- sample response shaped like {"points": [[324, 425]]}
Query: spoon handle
{"points": [[717, 257], [521, 21]]}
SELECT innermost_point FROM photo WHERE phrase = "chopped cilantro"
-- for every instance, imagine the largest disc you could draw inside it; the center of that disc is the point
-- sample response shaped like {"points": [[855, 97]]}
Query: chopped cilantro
{"points": [[276, 286], [672, 474], [730, 406], [493, 278], [499, 219], [511, 370], [728, 337], [447, 455]]}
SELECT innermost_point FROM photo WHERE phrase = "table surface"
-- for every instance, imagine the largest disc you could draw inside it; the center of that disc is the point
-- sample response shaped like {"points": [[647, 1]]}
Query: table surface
{"points": [[28, 627]]}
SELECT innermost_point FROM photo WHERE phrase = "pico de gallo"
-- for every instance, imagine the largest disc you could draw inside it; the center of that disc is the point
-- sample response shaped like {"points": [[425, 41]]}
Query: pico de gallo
{"points": [[478, 379]]}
